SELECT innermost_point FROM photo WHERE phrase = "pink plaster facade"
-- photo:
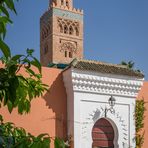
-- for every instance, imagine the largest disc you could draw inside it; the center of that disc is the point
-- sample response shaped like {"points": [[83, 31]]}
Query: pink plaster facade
{"points": [[144, 94], [48, 113]]}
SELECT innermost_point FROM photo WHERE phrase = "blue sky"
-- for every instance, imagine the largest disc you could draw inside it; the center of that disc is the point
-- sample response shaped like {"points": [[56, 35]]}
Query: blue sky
{"points": [[114, 30]]}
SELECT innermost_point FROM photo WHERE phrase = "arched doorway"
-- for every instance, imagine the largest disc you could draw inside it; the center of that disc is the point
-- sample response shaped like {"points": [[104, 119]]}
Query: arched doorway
{"points": [[103, 134]]}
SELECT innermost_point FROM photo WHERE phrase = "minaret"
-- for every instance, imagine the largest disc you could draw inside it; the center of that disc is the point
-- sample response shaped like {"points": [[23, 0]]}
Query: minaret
{"points": [[61, 33]]}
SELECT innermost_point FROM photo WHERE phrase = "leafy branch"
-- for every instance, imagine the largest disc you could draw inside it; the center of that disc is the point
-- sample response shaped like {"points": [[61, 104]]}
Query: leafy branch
{"points": [[139, 122], [130, 65], [16, 90], [14, 137]]}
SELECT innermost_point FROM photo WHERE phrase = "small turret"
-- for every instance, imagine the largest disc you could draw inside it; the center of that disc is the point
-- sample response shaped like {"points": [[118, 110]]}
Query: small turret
{"points": [[64, 3]]}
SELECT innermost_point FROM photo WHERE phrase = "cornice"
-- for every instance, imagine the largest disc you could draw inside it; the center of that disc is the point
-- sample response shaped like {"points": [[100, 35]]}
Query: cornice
{"points": [[105, 85]]}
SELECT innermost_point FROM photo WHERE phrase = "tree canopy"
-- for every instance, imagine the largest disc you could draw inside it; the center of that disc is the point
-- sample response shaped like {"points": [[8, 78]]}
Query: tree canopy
{"points": [[16, 90]]}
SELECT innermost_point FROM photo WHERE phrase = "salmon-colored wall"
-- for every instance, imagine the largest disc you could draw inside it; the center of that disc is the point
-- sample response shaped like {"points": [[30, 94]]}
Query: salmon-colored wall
{"points": [[144, 94], [48, 113]]}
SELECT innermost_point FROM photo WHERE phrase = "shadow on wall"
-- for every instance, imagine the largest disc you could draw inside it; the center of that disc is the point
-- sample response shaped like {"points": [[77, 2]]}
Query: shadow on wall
{"points": [[56, 100]]}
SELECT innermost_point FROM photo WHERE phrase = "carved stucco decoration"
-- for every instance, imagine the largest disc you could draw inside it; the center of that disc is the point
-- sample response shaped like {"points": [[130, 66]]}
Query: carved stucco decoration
{"points": [[88, 83], [67, 14], [46, 30], [68, 22], [68, 26], [68, 46], [99, 113]]}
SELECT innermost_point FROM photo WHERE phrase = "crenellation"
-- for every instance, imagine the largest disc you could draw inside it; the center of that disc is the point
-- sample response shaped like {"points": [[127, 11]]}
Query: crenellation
{"points": [[73, 10], [53, 5], [62, 7]]}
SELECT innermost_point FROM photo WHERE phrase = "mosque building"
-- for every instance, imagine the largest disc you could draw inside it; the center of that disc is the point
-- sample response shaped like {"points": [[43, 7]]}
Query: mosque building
{"points": [[90, 104]]}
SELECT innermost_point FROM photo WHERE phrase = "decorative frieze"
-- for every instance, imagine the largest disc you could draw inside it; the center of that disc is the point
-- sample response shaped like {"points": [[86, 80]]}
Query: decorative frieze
{"points": [[105, 85], [67, 14]]}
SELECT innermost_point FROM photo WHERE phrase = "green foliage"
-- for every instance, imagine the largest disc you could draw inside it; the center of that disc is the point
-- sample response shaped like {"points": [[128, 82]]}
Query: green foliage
{"points": [[5, 7], [129, 64], [139, 140], [139, 122], [17, 91], [14, 137], [139, 114], [59, 143]]}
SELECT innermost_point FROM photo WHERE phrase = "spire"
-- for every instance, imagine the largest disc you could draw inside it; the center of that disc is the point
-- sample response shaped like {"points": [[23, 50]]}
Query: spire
{"points": [[64, 3]]}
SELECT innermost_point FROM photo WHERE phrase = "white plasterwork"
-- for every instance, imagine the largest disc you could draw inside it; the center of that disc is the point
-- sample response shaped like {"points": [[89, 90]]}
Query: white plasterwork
{"points": [[87, 98], [105, 83]]}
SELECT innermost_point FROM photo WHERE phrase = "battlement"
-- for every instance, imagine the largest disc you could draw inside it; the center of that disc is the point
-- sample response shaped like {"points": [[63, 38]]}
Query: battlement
{"points": [[64, 7], [60, 10]]}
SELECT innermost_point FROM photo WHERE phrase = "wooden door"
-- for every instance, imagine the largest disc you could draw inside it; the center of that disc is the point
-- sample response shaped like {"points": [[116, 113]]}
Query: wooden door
{"points": [[103, 134]]}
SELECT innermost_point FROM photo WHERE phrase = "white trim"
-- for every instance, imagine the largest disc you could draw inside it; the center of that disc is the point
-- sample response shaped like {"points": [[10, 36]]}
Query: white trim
{"points": [[87, 91], [116, 76], [105, 84]]}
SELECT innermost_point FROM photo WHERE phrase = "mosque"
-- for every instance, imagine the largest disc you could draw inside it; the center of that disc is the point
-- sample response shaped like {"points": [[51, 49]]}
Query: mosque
{"points": [[90, 104]]}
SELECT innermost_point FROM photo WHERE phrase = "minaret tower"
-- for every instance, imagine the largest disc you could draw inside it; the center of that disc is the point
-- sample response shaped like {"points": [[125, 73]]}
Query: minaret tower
{"points": [[61, 33]]}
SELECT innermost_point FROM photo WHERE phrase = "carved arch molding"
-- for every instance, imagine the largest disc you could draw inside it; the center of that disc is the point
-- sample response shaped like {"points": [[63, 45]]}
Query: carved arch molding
{"points": [[68, 26], [68, 46], [46, 30]]}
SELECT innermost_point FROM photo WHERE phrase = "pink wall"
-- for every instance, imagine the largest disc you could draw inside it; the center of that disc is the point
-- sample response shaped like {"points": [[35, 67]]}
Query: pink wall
{"points": [[48, 113], [144, 94]]}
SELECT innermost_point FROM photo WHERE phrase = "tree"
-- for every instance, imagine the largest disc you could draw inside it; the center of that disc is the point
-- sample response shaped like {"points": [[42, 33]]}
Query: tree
{"points": [[129, 64], [17, 91]]}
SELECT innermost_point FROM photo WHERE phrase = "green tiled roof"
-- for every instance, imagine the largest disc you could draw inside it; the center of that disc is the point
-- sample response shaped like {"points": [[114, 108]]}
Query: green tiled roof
{"points": [[59, 65], [107, 68]]}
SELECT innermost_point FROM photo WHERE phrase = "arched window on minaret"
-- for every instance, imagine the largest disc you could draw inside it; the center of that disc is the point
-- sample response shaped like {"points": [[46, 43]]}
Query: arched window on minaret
{"points": [[70, 54], [49, 28], [71, 30], [47, 32], [65, 29], [62, 2], [52, 1], [65, 53], [55, 1], [67, 3], [77, 31], [42, 35], [61, 28], [45, 49]]}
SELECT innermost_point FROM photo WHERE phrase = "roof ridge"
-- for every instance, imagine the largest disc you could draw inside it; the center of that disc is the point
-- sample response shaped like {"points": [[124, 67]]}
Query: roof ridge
{"points": [[103, 67], [103, 63]]}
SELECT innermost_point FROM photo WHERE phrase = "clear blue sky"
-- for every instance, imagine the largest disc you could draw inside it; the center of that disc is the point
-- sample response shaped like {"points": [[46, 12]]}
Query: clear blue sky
{"points": [[115, 30]]}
